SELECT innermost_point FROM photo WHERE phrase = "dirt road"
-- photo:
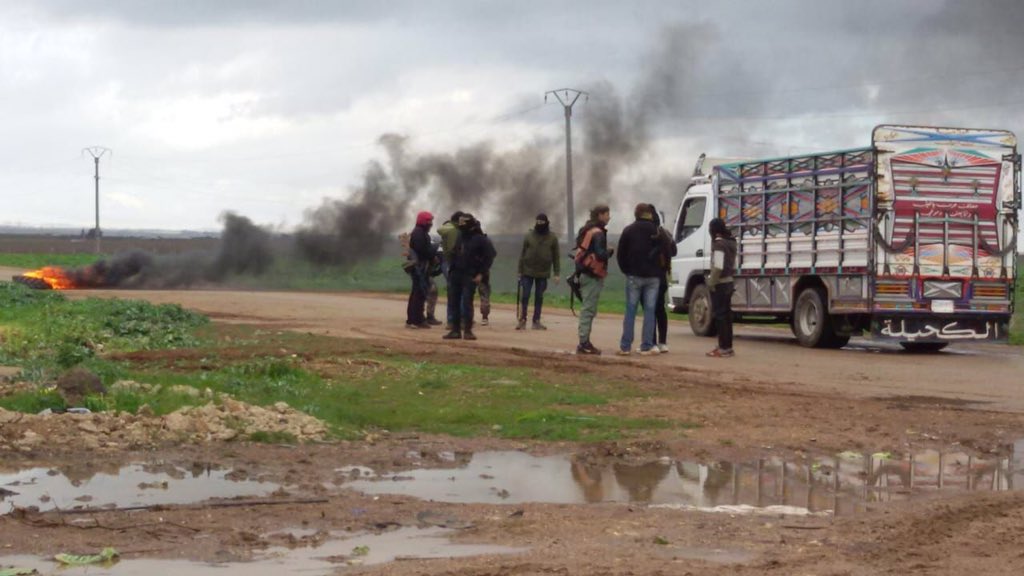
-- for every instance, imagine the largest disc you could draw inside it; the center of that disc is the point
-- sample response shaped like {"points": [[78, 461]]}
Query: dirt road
{"points": [[773, 424], [982, 375]]}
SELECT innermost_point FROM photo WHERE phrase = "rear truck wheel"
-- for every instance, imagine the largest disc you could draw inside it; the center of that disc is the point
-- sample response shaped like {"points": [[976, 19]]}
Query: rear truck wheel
{"points": [[923, 347], [702, 321], [812, 325]]}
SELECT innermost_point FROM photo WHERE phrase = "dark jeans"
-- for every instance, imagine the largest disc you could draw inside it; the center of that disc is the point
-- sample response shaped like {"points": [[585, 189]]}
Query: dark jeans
{"points": [[660, 312], [527, 284], [721, 306], [450, 304], [461, 290], [417, 299]]}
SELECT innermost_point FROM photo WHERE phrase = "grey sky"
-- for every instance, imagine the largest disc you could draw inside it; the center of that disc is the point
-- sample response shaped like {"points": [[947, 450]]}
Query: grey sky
{"points": [[267, 107]]}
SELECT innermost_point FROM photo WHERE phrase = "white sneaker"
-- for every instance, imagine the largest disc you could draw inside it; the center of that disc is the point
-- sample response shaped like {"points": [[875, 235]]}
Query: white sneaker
{"points": [[663, 348]]}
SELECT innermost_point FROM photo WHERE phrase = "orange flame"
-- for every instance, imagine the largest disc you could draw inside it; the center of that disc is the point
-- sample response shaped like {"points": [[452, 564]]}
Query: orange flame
{"points": [[56, 277]]}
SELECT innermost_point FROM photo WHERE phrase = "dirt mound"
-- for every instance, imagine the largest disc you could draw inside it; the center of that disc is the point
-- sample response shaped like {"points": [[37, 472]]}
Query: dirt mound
{"points": [[77, 383], [225, 419]]}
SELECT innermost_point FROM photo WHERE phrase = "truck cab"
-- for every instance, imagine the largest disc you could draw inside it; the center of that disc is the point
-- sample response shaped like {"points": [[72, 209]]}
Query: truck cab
{"points": [[693, 255]]}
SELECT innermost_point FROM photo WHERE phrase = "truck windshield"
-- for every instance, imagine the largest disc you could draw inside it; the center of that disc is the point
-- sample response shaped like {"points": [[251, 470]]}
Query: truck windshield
{"points": [[691, 218]]}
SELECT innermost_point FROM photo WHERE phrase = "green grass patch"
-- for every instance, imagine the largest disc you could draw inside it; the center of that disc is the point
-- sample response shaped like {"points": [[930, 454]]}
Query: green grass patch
{"points": [[45, 332], [33, 261], [383, 275], [33, 402], [405, 395]]}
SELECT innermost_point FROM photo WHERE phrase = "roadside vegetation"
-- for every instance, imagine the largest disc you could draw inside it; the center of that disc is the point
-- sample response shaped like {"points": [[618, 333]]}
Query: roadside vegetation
{"points": [[177, 359], [386, 275]]}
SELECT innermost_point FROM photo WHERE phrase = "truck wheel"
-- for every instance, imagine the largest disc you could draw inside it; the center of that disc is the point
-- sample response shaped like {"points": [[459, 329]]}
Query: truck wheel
{"points": [[923, 347], [811, 323], [702, 321]]}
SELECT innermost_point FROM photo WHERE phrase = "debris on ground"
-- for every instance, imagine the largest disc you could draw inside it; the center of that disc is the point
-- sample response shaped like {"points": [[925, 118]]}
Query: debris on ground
{"points": [[107, 555], [14, 571], [441, 520], [221, 419]]}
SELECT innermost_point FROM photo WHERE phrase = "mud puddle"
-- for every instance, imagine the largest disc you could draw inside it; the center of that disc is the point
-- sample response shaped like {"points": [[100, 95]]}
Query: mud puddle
{"points": [[350, 551], [845, 484], [139, 484]]}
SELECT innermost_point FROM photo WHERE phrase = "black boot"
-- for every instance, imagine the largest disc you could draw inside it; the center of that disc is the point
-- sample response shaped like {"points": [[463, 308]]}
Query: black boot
{"points": [[453, 334], [467, 331]]}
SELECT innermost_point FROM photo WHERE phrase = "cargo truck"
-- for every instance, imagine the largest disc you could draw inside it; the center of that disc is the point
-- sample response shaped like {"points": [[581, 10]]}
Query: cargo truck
{"points": [[912, 239]]}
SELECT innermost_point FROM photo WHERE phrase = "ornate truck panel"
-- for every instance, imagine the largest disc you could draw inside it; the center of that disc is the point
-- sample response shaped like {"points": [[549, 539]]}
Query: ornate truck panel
{"points": [[945, 233]]}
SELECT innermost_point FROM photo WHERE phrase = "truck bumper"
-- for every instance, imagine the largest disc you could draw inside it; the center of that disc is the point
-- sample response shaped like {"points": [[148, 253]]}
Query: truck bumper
{"points": [[950, 328]]}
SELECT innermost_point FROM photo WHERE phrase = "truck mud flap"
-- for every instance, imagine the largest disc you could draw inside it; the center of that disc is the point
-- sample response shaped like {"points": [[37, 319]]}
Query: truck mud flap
{"points": [[941, 329]]}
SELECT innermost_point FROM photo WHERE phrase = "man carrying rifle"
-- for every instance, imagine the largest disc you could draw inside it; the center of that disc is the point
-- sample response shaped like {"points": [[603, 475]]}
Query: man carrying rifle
{"points": [[592, 255]]}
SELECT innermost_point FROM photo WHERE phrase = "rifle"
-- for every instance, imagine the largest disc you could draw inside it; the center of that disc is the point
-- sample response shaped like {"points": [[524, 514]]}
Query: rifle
{"points": [[575, 290]]}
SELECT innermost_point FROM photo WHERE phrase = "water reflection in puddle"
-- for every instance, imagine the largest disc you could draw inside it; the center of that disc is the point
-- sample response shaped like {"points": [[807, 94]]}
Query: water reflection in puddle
{"points": [[843, 484], [132, 485], [404, 544]]}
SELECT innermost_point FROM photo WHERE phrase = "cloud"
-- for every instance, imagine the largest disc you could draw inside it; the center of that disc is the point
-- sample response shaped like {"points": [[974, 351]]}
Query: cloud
{"points": [[268, 107]]}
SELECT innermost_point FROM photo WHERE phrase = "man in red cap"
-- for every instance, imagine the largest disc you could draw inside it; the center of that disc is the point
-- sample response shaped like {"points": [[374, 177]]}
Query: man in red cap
{"points": [[418, 266]]}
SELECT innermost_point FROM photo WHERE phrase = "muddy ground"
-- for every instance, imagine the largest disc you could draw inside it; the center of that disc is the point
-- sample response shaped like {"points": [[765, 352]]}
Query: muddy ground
{"points": [[876, 462]]}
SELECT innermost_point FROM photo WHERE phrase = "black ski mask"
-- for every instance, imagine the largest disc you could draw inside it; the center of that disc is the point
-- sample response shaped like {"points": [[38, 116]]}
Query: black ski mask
{"points": [[542, 226]]}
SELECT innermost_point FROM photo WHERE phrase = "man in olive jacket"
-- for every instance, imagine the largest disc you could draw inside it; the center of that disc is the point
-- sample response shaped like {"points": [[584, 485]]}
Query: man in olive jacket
{"points": [[538, 259]]}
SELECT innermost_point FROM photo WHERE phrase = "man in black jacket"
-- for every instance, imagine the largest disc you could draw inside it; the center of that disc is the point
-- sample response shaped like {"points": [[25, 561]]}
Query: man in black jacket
{"points": [[420, 256], [638, 255], [471, 260], [723, 266]]}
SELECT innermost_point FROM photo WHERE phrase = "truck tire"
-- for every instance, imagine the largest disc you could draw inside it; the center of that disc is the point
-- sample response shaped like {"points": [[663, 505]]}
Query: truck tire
{"points": [[923, 347], [812, 324], [702, 320]]}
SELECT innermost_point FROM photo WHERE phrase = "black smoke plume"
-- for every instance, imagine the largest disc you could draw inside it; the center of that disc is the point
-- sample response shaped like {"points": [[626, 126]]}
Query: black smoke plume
{"points": [[507, 186], [245, 248]]}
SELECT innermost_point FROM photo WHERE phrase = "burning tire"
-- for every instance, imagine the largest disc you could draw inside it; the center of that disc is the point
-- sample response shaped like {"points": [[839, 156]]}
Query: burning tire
{"points": [[34, 283]]}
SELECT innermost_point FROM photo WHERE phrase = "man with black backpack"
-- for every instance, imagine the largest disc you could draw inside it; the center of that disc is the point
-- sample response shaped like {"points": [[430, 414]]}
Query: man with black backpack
{"points": [[592, 255]]}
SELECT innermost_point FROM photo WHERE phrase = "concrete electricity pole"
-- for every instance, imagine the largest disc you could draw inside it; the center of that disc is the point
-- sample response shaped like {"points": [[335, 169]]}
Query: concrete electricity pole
{"points": [[567, 97], [97, 152]]}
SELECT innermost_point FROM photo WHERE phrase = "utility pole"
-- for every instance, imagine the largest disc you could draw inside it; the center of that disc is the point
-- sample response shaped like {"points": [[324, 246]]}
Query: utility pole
{"points": [[567, 97], [97, 152]]}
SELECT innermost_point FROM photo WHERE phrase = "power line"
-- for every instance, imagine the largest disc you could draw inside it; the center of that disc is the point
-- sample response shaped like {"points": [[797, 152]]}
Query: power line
{"points": [[97, 152], [567, 97]]}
